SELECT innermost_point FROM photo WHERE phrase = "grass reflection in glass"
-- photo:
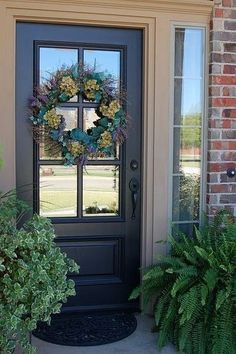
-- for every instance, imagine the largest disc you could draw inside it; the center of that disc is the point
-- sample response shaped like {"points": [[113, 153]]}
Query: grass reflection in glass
{"points": [[101, 190], [58, 191]]}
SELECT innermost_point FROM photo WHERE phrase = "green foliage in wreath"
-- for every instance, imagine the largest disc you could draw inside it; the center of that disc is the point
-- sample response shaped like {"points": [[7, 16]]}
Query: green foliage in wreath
{"points": [[76, 145], [33, 274], [194, 290]]}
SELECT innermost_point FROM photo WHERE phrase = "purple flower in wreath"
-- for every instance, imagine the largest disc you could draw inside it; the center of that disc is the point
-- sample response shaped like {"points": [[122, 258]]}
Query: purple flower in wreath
{"points": [[119, 135], [43, 99], [34, 102]]}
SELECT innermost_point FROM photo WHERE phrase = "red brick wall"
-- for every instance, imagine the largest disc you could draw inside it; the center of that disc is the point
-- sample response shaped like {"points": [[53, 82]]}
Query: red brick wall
{"points": [[222, 107]]}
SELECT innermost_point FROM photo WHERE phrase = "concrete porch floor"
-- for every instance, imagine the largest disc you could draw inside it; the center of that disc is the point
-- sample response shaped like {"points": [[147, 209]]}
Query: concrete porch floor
{"points": [[142, 341]]}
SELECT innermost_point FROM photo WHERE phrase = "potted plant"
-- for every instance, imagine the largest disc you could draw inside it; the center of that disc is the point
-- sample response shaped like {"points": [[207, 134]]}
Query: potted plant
{"points": [[194, 289], [33, 274]]}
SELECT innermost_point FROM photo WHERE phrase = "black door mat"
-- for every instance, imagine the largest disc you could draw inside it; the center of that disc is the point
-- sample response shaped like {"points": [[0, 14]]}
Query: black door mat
{"points": [[87, 329]]}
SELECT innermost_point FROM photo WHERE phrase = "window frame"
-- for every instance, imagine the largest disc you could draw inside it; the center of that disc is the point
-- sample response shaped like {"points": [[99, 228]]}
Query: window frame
{"points": [[80, 104], [204, 124]]}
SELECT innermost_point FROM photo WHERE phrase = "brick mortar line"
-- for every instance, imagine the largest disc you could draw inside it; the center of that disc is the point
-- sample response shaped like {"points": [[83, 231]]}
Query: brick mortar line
{"points": [[220, 184], [210, 194], [224, 85], [220, 51], [222, 75], [224, 140], [220, 63]]}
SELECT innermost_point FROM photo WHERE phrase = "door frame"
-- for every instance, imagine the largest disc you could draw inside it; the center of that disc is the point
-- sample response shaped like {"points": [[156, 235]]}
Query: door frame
{"points": [[155, 18]]}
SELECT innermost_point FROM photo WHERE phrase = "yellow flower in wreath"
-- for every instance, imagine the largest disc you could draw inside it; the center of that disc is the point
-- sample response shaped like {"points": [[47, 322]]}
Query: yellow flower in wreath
{"points": [[76, 148], [111, 110], [90, 87], [105, 140], [68, 86], [52, 118]]}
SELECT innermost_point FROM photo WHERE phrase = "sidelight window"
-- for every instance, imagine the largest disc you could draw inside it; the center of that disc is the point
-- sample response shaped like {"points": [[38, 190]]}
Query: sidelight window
{"points": [[187, 128]]}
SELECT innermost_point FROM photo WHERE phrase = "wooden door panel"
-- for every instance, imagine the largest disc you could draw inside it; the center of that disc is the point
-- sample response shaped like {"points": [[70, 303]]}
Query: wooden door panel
{"points": [[106, 245]]}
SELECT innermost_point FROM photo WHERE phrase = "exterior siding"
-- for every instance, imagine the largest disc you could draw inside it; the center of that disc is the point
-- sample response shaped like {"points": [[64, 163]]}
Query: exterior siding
{"points": [[222, 107]]}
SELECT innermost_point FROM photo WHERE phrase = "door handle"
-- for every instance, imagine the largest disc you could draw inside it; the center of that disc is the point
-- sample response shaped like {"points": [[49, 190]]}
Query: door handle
{"points": [[134, 188]]}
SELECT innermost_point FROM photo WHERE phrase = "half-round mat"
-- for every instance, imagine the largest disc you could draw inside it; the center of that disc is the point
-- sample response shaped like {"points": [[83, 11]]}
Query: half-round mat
{"points": [[87, 329]]}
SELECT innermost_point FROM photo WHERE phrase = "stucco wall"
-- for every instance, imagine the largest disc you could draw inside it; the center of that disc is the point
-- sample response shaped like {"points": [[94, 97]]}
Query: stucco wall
{"points": [[222, 107]]}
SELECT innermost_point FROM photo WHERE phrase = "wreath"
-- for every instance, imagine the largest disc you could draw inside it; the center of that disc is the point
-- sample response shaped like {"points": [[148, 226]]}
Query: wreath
{"points": [[76, 145]]}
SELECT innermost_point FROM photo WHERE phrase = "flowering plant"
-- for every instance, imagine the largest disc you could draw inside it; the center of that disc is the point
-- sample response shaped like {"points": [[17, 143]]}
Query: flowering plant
{"points": [[76, 145]]}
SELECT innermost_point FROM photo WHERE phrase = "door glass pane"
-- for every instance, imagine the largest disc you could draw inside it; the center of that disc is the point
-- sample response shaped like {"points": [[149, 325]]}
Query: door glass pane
{"points": [[101, 190], [50, 150], [187, 150], [186, 228], [189, 52], [58, 191], [187, 102], [186, 197], [104, 60], [89, 116], [70, 115], [52, 59]]}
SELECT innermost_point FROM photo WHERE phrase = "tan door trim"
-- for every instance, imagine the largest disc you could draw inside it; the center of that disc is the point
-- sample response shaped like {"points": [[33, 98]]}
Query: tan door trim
{"points": [[156, 26]]}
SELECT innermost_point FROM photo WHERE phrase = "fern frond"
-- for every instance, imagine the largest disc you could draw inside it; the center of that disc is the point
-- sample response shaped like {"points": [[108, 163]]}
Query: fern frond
{"points": [[204, 293], [153, 273], [135, 293], [161, 304], [210, 278], [221, 297], [189, 305], [167, 325], [224, 330], [199, 338], [181, 282]]}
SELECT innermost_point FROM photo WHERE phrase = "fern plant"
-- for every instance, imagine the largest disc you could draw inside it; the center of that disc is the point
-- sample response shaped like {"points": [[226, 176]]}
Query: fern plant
{"points": [[194, 288]]}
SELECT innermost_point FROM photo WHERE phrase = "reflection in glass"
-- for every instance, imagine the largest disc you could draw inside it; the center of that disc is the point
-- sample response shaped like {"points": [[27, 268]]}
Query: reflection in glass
{"points": [[89, 117], [187, 229], [70, 115], [58, 191], [101, 190], [103, 60], [186, 197], [189, 52], [52, 59], [188, 112], [187, 102], [187, 150], [49, 151]]}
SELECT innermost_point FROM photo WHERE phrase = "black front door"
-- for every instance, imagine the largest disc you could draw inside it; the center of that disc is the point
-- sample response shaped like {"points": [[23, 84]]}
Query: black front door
{"points": [[91, 207]]}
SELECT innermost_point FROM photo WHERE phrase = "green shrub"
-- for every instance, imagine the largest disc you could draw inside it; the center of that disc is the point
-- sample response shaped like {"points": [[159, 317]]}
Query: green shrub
{"points": [[194, 289], [33, 274]]}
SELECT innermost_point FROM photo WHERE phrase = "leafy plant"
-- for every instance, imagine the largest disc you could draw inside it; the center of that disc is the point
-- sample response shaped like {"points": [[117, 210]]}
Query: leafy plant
{"points": [[194, 289], [33, 274]]}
